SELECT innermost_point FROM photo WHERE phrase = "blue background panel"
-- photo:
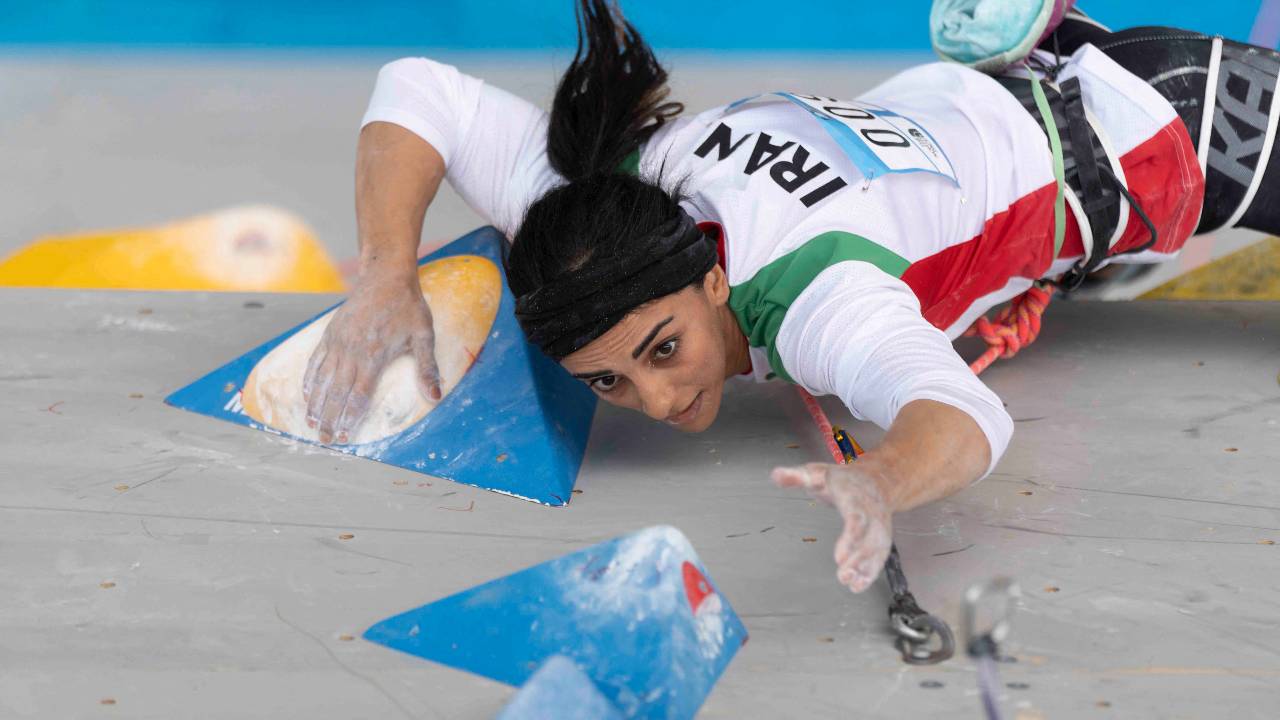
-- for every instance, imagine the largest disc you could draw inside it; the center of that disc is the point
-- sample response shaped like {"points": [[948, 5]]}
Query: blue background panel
{"points": [[487, 25]]}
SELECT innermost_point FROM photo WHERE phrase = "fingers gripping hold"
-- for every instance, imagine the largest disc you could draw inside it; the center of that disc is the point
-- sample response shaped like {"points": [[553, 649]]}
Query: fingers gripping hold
{"points": [[335, 400], [357, 404], [428, 373], [321, 381], [309, 379]]}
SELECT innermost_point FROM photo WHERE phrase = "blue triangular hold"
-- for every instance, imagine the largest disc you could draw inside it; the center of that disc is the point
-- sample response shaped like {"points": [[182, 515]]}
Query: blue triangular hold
{"points": [[517, 423], [637, 614], [559, 691]]}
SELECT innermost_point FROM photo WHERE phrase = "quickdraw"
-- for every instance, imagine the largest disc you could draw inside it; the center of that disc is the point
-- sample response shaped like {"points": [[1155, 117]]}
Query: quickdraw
{"points": [[916, 629], [922, 638]]}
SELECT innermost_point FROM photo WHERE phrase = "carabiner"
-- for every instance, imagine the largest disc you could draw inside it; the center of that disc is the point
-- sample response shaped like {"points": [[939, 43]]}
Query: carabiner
{"points": [[915, 635], [999, 594]]}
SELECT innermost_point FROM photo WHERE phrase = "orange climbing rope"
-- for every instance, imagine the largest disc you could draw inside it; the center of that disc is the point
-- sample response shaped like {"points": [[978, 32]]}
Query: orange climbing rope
{"points": [[824, 425], [1014, 327]]}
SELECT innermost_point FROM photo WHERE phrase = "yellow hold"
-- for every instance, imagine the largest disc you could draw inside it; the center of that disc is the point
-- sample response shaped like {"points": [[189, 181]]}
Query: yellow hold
{"points": [[252, 248], [1252, 273]]}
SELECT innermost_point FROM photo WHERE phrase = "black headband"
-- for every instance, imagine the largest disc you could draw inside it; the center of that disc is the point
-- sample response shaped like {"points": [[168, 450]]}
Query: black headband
{"points": [[578, 307]]}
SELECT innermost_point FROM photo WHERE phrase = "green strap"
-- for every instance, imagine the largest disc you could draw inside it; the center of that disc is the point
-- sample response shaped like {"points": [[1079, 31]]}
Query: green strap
{"points": [[1055, 146]]}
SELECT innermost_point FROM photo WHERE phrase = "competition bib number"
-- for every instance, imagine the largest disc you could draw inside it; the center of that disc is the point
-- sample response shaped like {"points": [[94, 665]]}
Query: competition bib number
{"points": [[876, 139]]}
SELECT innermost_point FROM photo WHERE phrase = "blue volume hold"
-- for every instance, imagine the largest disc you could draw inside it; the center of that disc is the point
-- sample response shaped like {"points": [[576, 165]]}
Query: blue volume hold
{"points": [[638, 615]]}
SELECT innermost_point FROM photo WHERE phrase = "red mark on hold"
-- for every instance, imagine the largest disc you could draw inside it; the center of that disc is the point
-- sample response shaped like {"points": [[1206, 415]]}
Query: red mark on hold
{"points": [[696, 587], [54, 407], [473, 356]]}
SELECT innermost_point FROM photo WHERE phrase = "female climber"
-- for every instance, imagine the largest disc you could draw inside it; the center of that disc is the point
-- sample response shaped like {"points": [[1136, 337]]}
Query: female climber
{"points": [[838, 244]]}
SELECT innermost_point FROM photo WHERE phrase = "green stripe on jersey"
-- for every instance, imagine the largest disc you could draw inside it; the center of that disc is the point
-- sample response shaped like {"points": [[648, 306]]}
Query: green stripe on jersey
{"points": [[760, 303]]}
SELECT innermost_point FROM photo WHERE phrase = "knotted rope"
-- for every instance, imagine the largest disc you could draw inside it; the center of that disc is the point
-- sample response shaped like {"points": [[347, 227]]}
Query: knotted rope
{"points": [[1014, 327]]}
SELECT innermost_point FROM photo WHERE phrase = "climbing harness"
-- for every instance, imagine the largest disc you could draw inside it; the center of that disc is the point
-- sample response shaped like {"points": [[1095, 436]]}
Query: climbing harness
{"points": [[923, 639], [1080, 165], [987, 609], [1018, 324]]}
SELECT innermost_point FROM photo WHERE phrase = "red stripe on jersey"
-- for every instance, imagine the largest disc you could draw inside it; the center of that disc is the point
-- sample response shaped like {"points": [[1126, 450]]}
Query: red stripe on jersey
{"points": [[1017, 241], [1162, 174]]}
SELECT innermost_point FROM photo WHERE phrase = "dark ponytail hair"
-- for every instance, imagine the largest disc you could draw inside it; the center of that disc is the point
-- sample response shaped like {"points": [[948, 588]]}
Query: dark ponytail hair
{"points": [[611, 99]]}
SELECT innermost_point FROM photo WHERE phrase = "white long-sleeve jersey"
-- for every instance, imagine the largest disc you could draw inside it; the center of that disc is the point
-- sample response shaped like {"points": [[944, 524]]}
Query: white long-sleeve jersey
{"points": [[858, 236]]}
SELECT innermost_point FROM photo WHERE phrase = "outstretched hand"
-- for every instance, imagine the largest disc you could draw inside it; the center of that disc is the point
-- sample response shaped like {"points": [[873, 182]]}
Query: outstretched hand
{"points": [[381, 321], [863, 545]]}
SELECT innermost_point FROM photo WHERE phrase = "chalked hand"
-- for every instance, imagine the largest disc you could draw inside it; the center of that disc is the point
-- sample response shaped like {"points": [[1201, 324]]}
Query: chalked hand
{"points": [[382, 320], [863, 545]]}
